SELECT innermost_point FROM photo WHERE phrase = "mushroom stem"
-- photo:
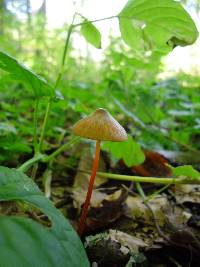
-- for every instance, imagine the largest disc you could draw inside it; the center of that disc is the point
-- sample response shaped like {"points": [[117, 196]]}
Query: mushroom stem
{"points": [[82, 221]]}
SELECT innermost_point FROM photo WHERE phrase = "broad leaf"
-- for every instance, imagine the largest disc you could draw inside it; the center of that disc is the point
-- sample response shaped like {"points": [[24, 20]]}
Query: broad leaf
{"points": [[91, 34], [131, 33], [24, 242], [160, 24], [186, 171], [129, 151], [21, 73]]}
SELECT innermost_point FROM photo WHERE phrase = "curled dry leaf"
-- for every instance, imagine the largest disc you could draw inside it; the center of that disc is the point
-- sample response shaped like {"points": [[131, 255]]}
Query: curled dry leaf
{"points": [[126, 240], [187, 193], [139, 211]]}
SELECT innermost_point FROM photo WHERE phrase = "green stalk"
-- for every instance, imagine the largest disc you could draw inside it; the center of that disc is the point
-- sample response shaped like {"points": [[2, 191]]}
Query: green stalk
{"points": [[157, 192], [56, 84], [65, 53], [35, 124], [49, 104], [96, 20], [44, 158], [147, 179], [140, 191], [44, 125], [26, 165]]}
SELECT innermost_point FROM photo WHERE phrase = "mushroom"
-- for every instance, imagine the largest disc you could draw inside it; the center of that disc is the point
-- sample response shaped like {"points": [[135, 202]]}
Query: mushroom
{"points": [[99, 126]]}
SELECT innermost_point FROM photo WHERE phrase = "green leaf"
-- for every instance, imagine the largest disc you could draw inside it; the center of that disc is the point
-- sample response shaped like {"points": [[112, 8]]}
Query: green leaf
{"points": [[131, 34], [161, 24], [13, 143], [129, 151], [21, 73], [186, 171], [24, 242], [91, 34]]}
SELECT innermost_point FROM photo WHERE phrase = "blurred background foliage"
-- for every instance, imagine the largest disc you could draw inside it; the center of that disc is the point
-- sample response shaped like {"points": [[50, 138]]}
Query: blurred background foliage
{"points": [[161, 114]]}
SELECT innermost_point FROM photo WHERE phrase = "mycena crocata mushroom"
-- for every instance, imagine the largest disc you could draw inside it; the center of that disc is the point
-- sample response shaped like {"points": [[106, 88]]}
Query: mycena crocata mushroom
{"points": [[99, 126]]}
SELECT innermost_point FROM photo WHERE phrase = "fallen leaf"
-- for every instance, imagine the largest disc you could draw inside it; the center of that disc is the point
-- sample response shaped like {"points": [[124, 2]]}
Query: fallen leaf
{"points": [[187, 193], [154, 165], [139, 211]]}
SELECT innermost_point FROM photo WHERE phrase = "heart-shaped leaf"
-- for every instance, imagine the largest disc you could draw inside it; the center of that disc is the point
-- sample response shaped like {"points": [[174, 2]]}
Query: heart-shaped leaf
{"points": [[160, 24], [21, 73], [129, 151], [24, 242], [186, 171]]}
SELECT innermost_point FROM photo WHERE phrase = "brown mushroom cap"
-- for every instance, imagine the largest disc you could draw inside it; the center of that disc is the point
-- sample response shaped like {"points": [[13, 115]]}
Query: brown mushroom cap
{"points": [[100, 125]]}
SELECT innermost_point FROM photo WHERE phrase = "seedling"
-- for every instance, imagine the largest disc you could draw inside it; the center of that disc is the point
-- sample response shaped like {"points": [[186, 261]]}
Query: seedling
{"points": [[99, 126]]}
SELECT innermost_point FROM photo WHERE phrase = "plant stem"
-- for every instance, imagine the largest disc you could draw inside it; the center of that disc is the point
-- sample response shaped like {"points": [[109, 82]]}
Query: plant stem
{"points": [[44, 158], [35, 122], [148, 179], [96, 20], [35, 141], [44, 125], [65, 52], [26, 165], [140, 190], [155, 193], [56, 84], [82, 221]]}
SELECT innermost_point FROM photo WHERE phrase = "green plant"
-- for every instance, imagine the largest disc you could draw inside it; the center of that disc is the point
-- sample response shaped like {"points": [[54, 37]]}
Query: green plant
{"points": [[28, 243], [150, 35]]}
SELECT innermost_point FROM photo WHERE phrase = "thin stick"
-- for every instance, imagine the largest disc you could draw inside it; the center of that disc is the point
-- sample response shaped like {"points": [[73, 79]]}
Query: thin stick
{"points": [[89, 192]]}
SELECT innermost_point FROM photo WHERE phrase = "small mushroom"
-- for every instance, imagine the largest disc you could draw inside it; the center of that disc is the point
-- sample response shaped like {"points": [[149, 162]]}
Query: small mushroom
{"points": [[99, 126]]}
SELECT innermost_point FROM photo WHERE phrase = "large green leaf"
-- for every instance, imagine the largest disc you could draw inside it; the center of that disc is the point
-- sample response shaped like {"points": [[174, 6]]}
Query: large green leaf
{"points": [[24, 242], [91, 34], [128, 150], [21, 73], [156, 24], [131, 33], [186, 171]]}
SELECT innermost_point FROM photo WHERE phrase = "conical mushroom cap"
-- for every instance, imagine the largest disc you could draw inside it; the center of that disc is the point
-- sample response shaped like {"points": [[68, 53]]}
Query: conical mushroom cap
{"points": [[100, 125]]}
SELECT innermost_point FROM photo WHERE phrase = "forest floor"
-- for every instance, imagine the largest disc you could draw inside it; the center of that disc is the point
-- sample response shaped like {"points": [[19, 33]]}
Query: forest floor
{"points": [[122, 229]]}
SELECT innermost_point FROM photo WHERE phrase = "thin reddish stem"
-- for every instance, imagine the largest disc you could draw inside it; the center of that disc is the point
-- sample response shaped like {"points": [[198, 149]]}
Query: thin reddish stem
{"points": [[82, 221]]}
